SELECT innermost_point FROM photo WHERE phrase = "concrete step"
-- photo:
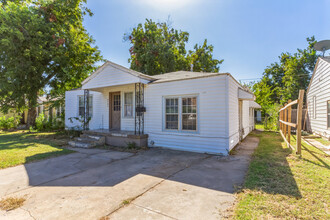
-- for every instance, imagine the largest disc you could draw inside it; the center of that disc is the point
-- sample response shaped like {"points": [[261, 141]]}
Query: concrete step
{"points": [[100, 140], [85, 139], [81, 144]]}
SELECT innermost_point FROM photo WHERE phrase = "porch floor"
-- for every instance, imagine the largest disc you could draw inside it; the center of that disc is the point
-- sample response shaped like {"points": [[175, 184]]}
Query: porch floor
{"points": [[119, 133]]}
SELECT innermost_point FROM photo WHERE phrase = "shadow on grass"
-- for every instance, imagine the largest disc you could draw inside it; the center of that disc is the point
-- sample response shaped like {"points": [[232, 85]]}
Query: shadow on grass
{"points": [[269, 169], [314, 154]]}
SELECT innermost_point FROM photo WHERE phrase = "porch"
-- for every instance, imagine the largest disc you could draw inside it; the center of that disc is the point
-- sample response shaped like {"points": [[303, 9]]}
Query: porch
{"points": [[119, 138]]}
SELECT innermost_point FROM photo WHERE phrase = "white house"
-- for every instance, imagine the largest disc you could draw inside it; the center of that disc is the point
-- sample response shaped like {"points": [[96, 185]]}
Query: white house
{"points": [[318, 98], [190, 111]]}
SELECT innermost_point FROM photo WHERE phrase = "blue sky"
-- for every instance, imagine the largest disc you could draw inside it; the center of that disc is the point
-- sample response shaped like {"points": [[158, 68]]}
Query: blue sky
{"points": [[248, 35]]}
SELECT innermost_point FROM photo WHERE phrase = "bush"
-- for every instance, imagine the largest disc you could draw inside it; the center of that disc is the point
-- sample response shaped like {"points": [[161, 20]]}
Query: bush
{"points": [[9, 123], [271, 119], [44, 124]]}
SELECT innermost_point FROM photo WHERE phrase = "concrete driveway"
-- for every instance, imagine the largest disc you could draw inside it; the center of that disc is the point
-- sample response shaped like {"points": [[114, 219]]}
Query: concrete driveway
{"points": [[154, 184]]}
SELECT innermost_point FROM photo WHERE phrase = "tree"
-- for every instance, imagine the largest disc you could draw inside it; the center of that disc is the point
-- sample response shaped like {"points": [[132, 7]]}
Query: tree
{"points": [[158, 48], [42, 44], [282, 80]]}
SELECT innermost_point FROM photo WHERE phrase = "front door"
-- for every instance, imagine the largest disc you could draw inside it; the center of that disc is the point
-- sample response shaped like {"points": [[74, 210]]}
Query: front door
{"points": [[115, 106]]}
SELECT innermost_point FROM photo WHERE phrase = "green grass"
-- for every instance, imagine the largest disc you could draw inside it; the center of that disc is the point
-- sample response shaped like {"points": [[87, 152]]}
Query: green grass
{"points": [[260, 127], [281, 185], [323, 141], [23, 147]]}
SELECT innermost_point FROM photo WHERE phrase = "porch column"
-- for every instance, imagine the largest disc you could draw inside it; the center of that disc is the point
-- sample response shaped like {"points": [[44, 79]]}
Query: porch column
{"points": [[86, 109], [139, 108]]}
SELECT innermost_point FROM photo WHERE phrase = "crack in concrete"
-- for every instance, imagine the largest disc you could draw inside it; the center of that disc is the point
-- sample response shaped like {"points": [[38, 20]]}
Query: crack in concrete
{"points": [[160, 213], [160, 182], [29, 213]]}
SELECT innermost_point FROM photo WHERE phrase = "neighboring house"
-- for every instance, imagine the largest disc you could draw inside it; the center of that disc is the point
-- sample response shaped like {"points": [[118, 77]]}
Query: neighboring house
{"points": [[191, 111], [318, 98], [43, 107]]}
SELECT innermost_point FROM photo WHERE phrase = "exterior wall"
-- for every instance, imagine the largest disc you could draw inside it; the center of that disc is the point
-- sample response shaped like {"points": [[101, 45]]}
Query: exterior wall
{"points": [[71, 109], [233, 105], [100, 118], [126, 123], [320, 88], [212, 134], [110, 76]]}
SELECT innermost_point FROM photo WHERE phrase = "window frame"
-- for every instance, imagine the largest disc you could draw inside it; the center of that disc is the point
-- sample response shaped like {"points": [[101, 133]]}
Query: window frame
{"points": [[90, 106], [180, 124], [165, 114], [124, 105]]}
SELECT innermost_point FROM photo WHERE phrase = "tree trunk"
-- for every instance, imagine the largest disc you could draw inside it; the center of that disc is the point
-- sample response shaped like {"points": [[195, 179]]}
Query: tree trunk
{"points": [[31, 118]]}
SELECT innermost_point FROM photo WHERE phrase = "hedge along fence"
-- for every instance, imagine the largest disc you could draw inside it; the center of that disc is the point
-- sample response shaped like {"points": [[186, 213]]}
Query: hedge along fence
{"points": [[286, 122]]}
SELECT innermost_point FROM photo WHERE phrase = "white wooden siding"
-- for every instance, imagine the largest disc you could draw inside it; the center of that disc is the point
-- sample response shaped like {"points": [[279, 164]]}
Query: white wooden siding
{"points": [[211, 136], [111, 76], [233, 91], [320, 88], [71, 109]]}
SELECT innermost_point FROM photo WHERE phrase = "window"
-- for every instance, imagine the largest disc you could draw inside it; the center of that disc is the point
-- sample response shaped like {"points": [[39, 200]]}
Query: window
{"points": [[314, 107], [189, 114], [181, 113], [172, 114], [329, 114], [81, 108], [116, 102], [128, 104]]}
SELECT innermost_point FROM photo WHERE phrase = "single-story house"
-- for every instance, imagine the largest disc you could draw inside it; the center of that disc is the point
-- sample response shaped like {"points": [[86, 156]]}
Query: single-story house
{"points": [[318, 98], [190, 111]]}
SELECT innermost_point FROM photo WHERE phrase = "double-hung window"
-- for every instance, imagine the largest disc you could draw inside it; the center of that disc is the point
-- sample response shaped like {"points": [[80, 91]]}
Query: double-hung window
{"points": [[328, 114], [189, 114], [172, 114], [181, 113], [128, 104], [81, 108]]}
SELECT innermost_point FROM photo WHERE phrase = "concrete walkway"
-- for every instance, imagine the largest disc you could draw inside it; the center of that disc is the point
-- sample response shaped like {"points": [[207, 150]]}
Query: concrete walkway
{"points": [[154, 184], [317, 144]]}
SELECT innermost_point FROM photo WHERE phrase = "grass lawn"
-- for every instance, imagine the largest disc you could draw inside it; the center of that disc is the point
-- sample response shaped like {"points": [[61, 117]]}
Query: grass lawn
{"points": [[23, 147], [279, 184], [323, 141], [260, 126]]}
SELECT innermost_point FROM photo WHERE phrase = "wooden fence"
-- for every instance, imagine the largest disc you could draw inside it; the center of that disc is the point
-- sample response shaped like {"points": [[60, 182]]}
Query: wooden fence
{"points": [[286, 122]]}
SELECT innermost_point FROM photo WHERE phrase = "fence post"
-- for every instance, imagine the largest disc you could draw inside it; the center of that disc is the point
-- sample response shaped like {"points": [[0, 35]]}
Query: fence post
{"points": [[289, 120], [284, 119], [299, 117]]}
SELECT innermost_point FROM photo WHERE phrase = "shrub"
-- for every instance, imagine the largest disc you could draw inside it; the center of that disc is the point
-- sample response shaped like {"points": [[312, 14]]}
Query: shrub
{"points": [[8, 123], [44, 124], [271, 119]]}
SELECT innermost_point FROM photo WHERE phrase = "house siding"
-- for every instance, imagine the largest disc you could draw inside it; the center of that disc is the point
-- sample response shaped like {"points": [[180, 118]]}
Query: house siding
{"points": [[233, 100], [320, 88], [110, 76], [211, 136]]}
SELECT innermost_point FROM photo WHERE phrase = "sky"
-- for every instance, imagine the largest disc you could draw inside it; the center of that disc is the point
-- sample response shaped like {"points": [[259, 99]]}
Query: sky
{"points": [[248, 35]]}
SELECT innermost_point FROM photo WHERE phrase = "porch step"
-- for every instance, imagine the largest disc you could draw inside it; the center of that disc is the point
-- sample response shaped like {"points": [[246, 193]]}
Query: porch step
{"points": [[81, 144], [87, 141]]}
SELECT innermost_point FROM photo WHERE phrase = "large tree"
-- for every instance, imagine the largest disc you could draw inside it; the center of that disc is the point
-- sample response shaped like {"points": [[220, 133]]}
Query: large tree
{"points": [[158, 48], [43, 44], [282, 80]]}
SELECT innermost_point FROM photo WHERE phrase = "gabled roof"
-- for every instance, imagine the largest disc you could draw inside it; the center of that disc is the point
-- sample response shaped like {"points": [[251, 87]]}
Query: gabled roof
{"points": [[326, 59], [117, 66]]}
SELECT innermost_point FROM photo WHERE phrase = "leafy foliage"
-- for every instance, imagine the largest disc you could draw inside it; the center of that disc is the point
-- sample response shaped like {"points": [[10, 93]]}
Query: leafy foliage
{"points": [[282, 80], [42, 44], [158, 48], [9, 123]]}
